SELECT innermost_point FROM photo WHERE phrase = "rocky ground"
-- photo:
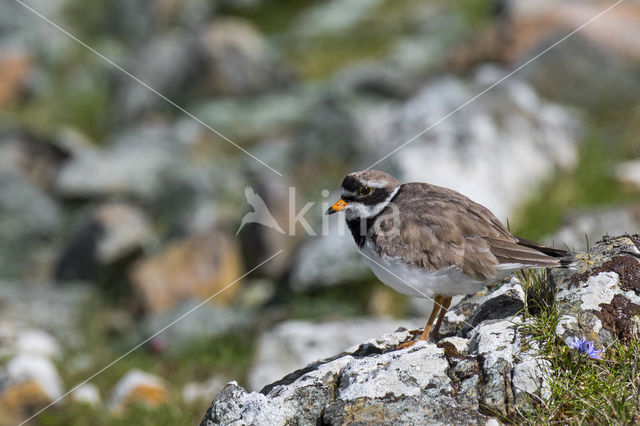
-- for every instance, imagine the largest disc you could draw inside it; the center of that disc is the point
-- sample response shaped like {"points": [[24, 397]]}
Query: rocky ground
{"points": [[488, 368]]}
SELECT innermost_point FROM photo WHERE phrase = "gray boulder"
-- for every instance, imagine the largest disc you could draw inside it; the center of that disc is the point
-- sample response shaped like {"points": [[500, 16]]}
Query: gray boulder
{"points": [[601, 56], [168, 64], [582, 227], [600, 300], [495, 150], [441, 383], [206, 322], [29, 218], [135, 164], [239, 59], [327, 261], [110, 233], [294, 344], [46, 306]]}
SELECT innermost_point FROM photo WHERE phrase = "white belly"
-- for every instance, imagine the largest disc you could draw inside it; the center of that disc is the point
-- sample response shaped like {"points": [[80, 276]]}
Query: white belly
{"points": [[417, 282]]}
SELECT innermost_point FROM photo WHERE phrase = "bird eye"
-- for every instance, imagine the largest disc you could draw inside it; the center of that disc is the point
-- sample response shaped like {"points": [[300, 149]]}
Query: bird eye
{"points": [[365, 190]]}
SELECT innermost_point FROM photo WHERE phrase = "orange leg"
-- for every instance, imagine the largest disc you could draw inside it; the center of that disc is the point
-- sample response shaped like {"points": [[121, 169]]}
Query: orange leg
{"points": [[445, 305], [437, 304]]}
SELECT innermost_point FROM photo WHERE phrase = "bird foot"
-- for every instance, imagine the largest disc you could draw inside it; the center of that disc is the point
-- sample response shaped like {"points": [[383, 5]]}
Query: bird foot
{"points": [[410, 343], [406, 345]]}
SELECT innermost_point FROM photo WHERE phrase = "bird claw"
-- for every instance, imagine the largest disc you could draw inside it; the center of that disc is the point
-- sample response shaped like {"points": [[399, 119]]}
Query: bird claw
{"points": [[410, 343], [406, 345]]}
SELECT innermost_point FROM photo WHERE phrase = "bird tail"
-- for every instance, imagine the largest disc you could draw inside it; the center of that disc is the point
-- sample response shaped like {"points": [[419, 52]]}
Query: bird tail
{"points": [[565, 257]]}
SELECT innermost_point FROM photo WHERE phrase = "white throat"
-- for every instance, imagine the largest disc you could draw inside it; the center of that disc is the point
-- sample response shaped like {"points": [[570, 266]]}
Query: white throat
{"points": [[358, 210]]}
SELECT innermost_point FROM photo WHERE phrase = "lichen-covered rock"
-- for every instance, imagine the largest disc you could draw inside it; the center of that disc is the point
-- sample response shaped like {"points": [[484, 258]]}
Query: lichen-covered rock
{"points": [[486, 368], [600, 299], [294, 344], [458, 380], [499, 303], [371, 384]]}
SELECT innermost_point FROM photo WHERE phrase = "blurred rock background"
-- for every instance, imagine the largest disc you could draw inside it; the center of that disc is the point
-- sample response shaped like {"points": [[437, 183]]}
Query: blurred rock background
{"points": [[119, 212]]}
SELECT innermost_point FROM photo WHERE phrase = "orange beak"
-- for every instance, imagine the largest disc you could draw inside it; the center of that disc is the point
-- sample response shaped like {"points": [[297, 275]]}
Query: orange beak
{"points": [[340, 205]]}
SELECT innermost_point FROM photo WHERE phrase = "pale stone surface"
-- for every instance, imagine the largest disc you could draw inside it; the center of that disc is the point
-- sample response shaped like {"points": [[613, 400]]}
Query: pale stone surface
{"points": [[454, 154], [598, 289], [24, 367], [460, 343], [138, 386], [326, 261], [87, 393], [294, 344], [37, 342], [373, 382], [134, 165]]}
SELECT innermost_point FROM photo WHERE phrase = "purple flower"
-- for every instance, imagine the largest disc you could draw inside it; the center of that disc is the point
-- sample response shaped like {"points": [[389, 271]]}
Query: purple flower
{"points": [[584, 347]]}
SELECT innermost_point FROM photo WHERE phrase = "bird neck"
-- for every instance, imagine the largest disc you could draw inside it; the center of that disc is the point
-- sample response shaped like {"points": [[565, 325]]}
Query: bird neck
{"points": [[359, 228]]}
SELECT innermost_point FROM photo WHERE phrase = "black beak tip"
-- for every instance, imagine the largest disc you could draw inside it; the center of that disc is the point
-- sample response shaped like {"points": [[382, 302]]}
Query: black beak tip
{"points": [[330, 210]]}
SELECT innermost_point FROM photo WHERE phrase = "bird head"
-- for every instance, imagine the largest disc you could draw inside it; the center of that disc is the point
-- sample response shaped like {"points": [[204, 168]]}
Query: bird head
{"points": [[365, 194]]}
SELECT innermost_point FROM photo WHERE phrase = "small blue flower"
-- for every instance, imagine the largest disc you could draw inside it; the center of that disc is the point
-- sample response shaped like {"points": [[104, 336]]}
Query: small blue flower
{"points": [[584, 347]]}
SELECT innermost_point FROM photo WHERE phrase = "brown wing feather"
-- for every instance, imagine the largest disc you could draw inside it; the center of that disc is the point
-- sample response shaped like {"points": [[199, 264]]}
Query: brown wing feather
{"points": [[432, 227]]}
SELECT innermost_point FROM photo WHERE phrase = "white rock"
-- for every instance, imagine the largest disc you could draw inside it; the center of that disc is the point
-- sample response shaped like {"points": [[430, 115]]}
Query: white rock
{"points": [[598, 289], [495, 340], [131, 381], [38, 368], [294, 344], [629, 172], [566, 323], [386, 378], [461, 151], [531, 376], [513, 285], [460, 343], [87, 393], [202, 392], [125, 229], [454, 318], [257, 409], [370, 377], [37, 342], [333, 17]]}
